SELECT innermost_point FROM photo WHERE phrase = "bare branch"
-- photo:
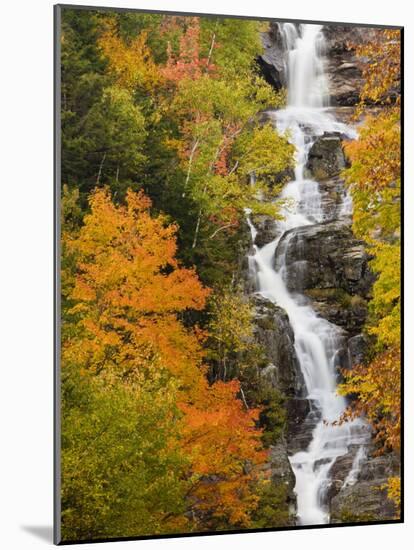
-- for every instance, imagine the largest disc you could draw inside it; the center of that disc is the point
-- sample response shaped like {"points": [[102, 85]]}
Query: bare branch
{"points": [[221, 229]]}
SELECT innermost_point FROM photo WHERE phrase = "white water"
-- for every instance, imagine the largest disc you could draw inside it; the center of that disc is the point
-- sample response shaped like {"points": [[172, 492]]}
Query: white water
{"points": [[359, 459], [316, 340]]}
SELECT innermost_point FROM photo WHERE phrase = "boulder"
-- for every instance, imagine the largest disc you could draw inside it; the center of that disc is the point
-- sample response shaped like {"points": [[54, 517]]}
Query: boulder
{"points": [[326, 157], [303, 417], [334, 258]]}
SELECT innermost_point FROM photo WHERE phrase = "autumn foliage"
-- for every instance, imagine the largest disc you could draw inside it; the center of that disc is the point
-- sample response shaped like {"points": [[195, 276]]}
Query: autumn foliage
{"points": [[166, 420], [382, 71], [128, 291], [132, 64], [187, 63], [374, 178], [223, 443]]}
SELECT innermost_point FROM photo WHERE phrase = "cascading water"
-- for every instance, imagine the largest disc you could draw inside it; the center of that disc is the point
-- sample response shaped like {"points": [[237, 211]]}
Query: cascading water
{"points": [[317, 341]]}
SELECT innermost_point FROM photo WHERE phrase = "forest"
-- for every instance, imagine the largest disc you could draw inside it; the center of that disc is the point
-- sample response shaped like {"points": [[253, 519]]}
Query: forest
{"points": [[167, 422]]}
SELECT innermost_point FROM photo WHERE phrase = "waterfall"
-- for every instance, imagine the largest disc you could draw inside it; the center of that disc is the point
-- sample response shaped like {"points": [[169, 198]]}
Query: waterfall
{"points": [[317, 341]]}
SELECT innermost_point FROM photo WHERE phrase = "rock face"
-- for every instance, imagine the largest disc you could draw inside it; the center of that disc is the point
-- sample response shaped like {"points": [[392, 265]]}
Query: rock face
{"points": [[281, 477], [327, 262], [330, 266], [267, 230], [280, 464], [343, 68], [273, 332], [326, 157], [365, 500], [272, 60]]}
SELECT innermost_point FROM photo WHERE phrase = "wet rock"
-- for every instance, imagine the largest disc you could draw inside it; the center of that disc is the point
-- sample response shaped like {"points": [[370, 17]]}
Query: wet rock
{"points": [[300, 428], [273, 332], [298, 409], [366, 500], [266, 228], [321, 462], [344, 310], [334, 258], [334, 486], [380, 467], [330, 266], [357, 346], [332, 194], [326, 157], [343, 465], [341, 361], [245, 269]]}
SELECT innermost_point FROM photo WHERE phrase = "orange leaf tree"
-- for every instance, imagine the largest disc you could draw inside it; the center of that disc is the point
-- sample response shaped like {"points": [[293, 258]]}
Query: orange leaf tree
{"points": [[224, 447], [126, 298]]}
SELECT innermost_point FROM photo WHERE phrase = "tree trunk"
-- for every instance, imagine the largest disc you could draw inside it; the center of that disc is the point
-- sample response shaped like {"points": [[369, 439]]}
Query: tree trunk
{"points": [[190, 163], [100, 169]]}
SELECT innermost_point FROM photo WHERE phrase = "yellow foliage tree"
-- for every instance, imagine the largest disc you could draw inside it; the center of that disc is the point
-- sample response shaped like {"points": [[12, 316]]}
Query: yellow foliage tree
{"points": [[374, 179], [131, 64]]}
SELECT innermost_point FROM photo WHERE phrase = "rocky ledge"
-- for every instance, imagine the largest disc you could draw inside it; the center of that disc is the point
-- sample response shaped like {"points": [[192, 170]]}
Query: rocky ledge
{"points": [[330, 266], [273, 332], [366, 498]]}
